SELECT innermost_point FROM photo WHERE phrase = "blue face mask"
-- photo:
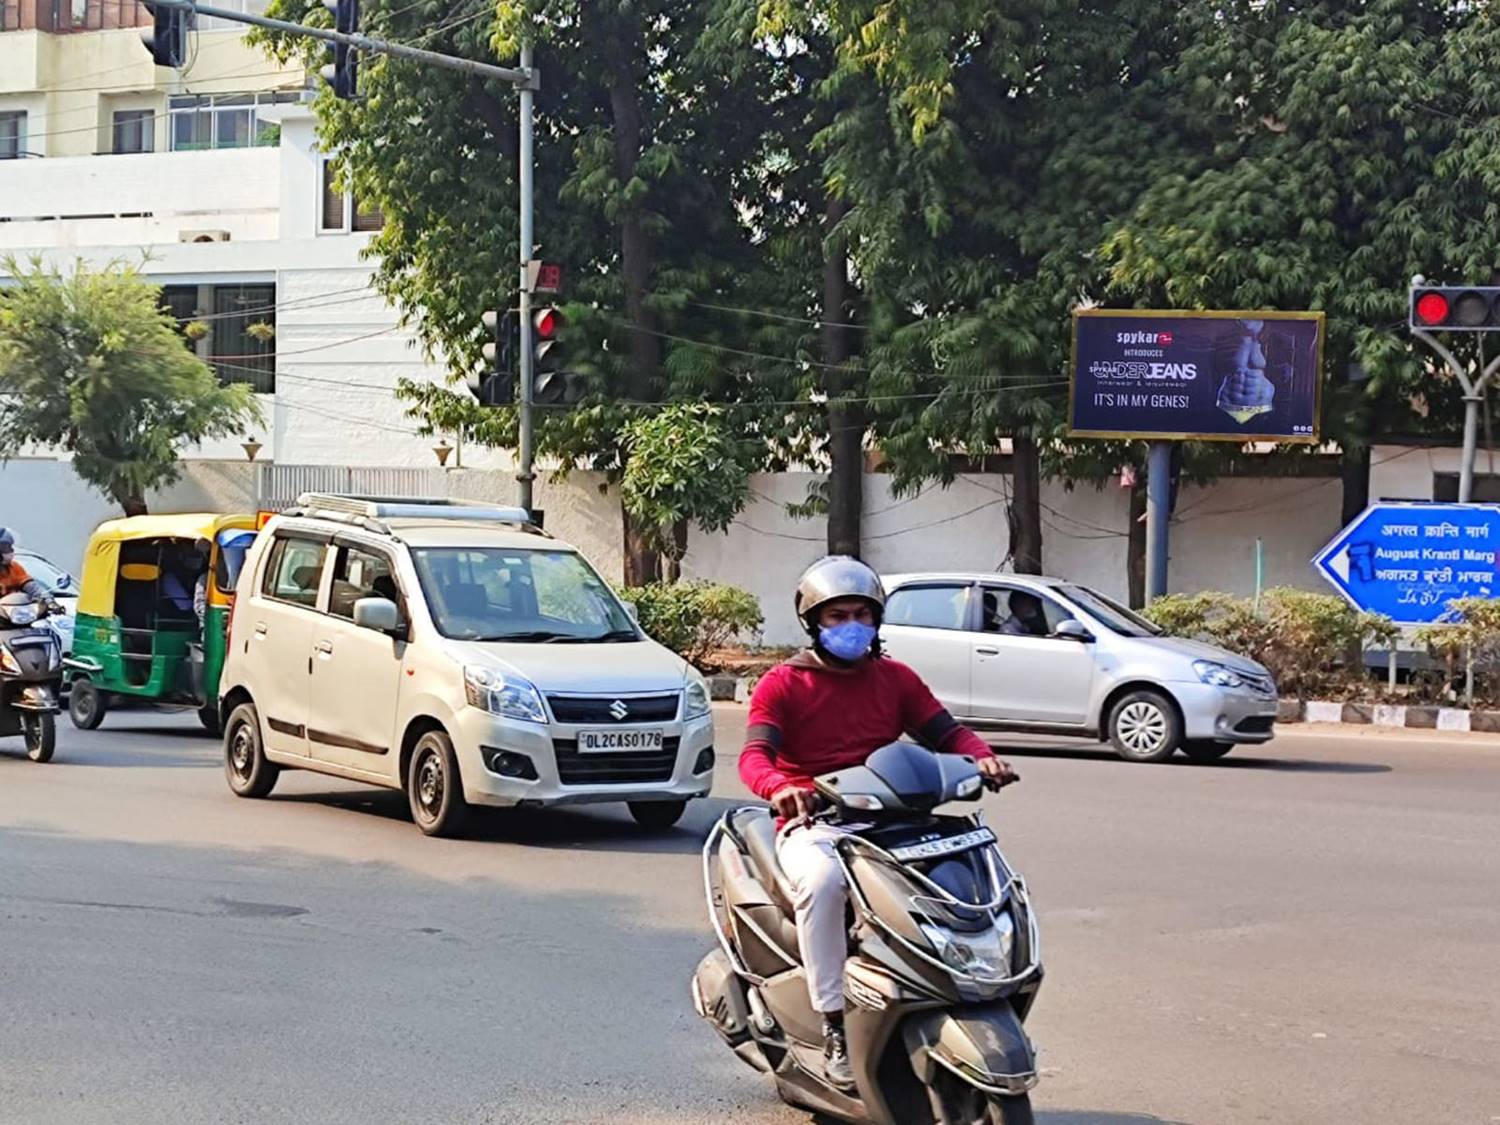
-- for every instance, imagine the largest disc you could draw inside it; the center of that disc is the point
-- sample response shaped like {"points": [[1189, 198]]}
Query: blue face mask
{"points": [[848, 641]]}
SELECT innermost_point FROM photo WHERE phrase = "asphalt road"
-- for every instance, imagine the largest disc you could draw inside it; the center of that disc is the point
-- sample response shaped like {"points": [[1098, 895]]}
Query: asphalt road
{"points": [[1306, 933]]}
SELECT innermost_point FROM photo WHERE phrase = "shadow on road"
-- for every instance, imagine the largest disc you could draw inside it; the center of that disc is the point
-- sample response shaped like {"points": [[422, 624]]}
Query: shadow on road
{"points": [[604, 828], [1233, 761], [1091, 1117]]}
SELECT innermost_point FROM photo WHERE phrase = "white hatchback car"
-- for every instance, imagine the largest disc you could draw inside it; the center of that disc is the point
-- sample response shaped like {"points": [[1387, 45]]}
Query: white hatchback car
{"points": [[1022, 653], [456, 652]]}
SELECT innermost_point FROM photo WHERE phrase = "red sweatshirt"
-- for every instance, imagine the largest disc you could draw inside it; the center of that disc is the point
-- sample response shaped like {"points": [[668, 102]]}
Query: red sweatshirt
{"points": [[809, 718]]}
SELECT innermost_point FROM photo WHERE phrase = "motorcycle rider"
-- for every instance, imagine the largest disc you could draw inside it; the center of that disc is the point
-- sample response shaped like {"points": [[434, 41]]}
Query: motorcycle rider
{"points": [[828, 708], [13, 576]]}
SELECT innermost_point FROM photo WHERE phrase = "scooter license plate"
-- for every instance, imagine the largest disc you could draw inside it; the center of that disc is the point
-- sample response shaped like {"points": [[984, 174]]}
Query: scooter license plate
{"points": [[614, 741], [948, 845]]}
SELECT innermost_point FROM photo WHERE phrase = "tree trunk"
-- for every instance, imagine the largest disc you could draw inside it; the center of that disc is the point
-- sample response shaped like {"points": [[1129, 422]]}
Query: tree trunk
{"points": [[642, 559], [133, 503], [1025, 510], [618, 40], [1135, 545], [673, 556], [846, 421], [1355, 469]]}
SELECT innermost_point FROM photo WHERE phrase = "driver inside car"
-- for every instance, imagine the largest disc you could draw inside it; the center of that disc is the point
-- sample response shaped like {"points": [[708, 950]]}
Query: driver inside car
{"points": [[829, 708]]}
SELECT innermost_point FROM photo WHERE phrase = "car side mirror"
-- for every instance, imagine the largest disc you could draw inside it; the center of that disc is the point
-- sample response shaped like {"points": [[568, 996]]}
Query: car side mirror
{"points": [[633, 610], [1071, 630], [379, 614]]}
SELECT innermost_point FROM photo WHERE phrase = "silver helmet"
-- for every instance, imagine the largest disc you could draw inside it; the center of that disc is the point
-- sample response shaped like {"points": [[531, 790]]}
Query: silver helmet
{"points": [[835, 577]]}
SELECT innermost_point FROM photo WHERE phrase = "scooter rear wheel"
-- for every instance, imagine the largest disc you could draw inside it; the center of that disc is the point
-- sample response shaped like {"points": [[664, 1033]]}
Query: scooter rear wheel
{"points": [[40, 730]]}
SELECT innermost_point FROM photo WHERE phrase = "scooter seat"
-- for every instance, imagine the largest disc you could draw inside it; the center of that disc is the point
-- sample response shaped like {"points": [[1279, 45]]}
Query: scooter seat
{"points": [[758, 830]]}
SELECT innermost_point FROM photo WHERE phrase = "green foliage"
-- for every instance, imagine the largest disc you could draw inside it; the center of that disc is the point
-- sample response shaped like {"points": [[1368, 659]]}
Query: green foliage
{"points": [[1307, 641], [91, 363], [684, 466], [696, 619], [1470, 631]]}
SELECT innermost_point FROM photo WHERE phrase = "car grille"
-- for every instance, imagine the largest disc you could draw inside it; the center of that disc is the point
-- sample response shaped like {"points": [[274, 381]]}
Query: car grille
{"points": [[614, 767], [1260, 685], [575, 709], [1256, 724]]}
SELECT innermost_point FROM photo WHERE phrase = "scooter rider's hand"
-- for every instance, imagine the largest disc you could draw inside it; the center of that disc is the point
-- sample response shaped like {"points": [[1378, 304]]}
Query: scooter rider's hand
{"points": [[793, 802], [997, 773]]}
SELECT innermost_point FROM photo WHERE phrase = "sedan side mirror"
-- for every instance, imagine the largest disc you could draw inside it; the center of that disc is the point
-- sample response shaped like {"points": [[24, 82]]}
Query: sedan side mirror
{"points": [[1071, 630], [379, 614]]}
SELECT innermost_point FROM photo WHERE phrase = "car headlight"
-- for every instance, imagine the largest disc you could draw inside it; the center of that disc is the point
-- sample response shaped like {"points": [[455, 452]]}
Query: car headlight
{"points": [[1216, 675], [695, 699], [984, 956], [510, 697]]}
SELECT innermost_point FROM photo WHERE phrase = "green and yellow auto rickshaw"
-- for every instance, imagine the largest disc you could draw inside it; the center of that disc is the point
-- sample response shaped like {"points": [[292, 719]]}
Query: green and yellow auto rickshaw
{"points": [[153, 613]]}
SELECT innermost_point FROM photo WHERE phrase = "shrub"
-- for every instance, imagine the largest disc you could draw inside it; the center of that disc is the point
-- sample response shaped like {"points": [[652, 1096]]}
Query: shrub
{"points": [[1470, 629], [696, 619], [1309, 642]]}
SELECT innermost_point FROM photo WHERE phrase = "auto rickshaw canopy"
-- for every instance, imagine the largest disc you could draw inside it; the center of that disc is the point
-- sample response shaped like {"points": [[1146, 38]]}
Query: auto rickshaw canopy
{"points": [[101, 560]]}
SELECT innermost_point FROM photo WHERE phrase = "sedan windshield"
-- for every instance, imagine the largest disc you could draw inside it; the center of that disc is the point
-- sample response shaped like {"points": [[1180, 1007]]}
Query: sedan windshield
{"points": [[1108, 613], [498, 594]]}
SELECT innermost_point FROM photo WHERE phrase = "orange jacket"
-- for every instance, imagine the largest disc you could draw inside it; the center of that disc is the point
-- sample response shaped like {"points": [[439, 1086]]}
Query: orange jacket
{"points": [[14, 579]]}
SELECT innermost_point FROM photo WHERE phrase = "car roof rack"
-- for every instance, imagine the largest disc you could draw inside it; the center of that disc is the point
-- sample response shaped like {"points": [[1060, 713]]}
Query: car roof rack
{"points": [[373, 511]]}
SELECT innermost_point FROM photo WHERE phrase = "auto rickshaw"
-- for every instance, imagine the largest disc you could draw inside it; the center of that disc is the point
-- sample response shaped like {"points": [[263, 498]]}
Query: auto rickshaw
{"points": [[153, 613]]}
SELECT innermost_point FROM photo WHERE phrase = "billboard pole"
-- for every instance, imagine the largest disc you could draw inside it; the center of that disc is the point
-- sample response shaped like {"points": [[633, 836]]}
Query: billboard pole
{"points": [[1158, 503]]}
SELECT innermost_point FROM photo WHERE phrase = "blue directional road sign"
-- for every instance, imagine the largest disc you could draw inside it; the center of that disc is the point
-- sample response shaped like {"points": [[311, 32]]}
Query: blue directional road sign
{"points": [[1408, 561]]}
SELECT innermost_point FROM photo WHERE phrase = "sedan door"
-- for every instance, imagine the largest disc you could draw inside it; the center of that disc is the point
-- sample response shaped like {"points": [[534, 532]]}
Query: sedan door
{"points": [[1022, 671], [356, 678], [924, 627]]}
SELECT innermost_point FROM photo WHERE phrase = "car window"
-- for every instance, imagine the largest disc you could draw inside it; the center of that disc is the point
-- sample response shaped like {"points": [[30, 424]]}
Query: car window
{"points": [[1110, 613], [1020, 613], [358, 573], [492, 593], [294, 571], [929, 607]]}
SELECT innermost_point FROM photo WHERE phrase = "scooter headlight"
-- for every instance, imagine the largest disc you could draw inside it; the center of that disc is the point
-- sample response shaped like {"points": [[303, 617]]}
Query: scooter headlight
{"points": [[983, 956], [22, 614]]}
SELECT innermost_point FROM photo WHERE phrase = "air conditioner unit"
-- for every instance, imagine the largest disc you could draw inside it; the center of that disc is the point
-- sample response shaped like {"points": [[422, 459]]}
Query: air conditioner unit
{"points": [[203, 236]]}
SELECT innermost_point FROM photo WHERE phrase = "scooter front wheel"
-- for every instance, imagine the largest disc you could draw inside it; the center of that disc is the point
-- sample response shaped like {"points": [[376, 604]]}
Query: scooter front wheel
{"points": [[1011, 1110], [40, 729]]}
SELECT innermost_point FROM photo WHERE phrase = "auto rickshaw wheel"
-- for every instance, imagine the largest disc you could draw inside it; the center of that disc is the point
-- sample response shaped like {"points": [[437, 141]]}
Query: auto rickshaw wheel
{"points": [[40, 729], [208, 715], [87, 705]]}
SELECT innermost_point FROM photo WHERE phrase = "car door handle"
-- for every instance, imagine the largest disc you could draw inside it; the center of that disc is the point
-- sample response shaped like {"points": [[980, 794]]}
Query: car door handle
{"points": [[324, 648], [260, 629], [988, 651]]}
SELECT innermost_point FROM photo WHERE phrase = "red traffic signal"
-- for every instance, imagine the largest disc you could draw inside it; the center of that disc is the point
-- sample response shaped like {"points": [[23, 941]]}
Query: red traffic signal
{"points": [[547, 323], [1473, 308]]}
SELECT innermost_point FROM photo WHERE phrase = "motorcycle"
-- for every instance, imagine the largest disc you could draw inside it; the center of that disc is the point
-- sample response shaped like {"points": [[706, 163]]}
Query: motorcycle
{"points": [[945, 957], [31, 675]]}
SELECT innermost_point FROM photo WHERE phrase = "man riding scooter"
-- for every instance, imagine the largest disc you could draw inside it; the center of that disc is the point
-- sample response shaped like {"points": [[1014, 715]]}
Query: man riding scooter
{"points": [[828, 708], [14, 578]]}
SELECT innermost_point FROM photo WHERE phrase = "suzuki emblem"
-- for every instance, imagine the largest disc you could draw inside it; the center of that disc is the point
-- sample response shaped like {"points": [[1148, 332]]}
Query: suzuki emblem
{"points": [[619, 710]]}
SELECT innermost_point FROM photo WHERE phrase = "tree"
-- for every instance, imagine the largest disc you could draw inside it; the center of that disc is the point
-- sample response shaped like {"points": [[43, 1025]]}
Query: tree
{"points": [[90, 362]]}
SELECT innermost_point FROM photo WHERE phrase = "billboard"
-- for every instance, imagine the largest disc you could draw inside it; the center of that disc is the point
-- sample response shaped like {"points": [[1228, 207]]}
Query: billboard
{"points": [[1205, 376]]}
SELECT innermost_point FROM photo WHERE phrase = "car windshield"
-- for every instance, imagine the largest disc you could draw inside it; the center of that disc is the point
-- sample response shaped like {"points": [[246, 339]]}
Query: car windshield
{"points": [[1108, 613], [56, 581], [503, 594]]}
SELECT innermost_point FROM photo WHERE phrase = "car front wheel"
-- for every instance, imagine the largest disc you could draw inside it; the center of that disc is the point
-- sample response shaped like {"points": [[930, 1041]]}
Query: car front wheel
{"points": [[434, 788], [1144, 727]]}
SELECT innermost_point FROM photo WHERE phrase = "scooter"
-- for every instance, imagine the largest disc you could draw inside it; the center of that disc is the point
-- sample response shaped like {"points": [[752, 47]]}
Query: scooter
{"points": [[945, 957], [31, 675]]}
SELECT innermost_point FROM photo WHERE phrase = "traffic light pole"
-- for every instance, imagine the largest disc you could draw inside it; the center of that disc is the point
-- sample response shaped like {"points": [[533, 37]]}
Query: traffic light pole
{"points": [[524, 475], [1473, 399]]}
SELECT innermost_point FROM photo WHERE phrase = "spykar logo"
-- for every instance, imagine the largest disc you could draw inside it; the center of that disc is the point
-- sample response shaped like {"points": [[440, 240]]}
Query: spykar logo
{"points": [[1144, 339]]}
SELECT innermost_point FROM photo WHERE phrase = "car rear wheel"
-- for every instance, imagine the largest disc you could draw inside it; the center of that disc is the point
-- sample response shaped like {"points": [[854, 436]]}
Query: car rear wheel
{"points": [[249, 772], [1204, 752], [87, 705], [434, 787], [657, 815], [1144, 727]]}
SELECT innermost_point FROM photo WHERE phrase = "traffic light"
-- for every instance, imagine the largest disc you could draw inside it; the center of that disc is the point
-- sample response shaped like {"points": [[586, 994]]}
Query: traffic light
{"points": [[1455, 308], [168, 38], [343, 73], [551, 386], [494, 384]]}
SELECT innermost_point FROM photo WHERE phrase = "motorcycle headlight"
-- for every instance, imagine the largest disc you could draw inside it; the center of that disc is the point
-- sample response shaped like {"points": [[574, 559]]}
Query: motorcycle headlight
{"points": [[8, 662], [510, 697], [695, 699], [1216, 675], [983, 956]]}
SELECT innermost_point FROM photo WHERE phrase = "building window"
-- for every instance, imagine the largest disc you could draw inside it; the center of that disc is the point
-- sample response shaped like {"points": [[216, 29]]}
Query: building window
{"points": [[135, 130], [232, 327], [337, 206], [223, 120], [12, 134]]}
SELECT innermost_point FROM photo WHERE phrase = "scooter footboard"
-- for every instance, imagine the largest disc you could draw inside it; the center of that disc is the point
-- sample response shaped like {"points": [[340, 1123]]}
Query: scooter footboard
{"points": [[984, 1044]]}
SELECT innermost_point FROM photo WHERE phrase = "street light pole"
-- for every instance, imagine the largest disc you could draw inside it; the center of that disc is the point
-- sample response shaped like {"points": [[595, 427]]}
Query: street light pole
{"points": [[524, 475]]}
